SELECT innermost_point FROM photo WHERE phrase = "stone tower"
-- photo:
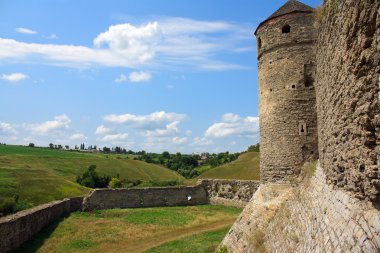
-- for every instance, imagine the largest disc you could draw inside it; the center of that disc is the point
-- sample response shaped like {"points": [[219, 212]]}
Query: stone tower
{"points": [[287, 102]]}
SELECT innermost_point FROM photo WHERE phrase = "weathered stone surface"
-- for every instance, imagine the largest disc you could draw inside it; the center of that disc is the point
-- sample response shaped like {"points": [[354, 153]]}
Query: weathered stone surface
{"points": [[245, 235], [319, 218], [20, 227], [145, 197], [311, 217], [287, 110], [229, 192], [347, 87]]}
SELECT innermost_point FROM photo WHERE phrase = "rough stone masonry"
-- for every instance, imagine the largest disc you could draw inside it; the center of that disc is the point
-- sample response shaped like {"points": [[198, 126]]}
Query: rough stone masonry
{"points": [[288, 115], [337, 210]]}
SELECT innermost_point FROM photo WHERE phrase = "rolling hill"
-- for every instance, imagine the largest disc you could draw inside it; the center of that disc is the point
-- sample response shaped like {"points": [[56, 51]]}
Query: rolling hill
{"points": [[246, 167], [40, 175]]}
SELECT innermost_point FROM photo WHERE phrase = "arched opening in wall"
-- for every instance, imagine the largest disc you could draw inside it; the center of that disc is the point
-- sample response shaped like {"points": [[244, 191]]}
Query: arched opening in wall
{"points": [[285, 29], [259, 42]]}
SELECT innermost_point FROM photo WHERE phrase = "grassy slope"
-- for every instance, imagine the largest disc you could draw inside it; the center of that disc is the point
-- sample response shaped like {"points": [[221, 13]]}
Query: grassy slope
{"points": [[247, 166], [132, 230], [42, 175]]}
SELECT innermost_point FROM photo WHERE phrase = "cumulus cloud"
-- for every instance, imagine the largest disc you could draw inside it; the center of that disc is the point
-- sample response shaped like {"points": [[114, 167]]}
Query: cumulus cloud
{"points": [[171, 129], [102, 130], [234, 125], [134, 77], [151, 121], [14, 77], [136, 42], [121, 78], [179, 140], [114, 137], [78, 137], [164, 43], [202, 141], [7, 129], [140, 76], [25, 30], [60, 122]]}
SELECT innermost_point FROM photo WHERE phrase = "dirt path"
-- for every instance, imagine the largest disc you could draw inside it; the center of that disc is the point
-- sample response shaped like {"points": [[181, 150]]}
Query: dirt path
{"points": [[140, 246]]}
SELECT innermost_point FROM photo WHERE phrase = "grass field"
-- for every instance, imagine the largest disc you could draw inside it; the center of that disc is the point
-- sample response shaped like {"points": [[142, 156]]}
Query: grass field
{"points": [[247, 167], [166, 229], [205, 242], [40, 175]]}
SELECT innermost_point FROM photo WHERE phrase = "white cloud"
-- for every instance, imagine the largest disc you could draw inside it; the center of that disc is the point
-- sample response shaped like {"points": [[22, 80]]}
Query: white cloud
{"points": [[7, 129], [230, 117], [234, 125], [14, 77], [121, 78], [165, 43], [151, 121], [141, 76], [170, 129], [78, 137], [134, 42], [60, 122], [179, 140], [114, 137], [25, 30], [202, 141], [102, 130]]}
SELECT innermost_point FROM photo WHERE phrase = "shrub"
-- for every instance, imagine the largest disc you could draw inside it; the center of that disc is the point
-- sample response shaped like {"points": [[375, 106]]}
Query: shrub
{"points": [[13, 205], [115, 183], [7, 206], [91, 179]]}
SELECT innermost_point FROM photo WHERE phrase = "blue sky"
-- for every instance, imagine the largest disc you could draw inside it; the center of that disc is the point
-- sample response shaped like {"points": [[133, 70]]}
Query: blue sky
{"points": [[149, 74]]}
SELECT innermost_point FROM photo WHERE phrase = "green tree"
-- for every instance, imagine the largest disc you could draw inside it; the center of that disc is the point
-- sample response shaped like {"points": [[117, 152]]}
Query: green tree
{"points": [[91, 178]]}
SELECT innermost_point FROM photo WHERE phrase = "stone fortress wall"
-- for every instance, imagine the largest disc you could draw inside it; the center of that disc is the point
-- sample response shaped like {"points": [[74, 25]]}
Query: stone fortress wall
{"points": [[287, 110], [337, 209], [99, 199], [20, 227], [348, 97], [229, 192], [313, 217]]}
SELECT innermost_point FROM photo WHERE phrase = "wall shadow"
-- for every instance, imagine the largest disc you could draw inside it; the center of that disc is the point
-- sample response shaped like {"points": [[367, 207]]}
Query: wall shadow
{"points": [[38, 240]]}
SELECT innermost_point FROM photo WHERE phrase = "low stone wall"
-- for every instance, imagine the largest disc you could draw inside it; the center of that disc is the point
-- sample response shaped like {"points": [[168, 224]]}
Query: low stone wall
{"points": [[229, 192], [312, 217], [144, 197], [18, 228]]}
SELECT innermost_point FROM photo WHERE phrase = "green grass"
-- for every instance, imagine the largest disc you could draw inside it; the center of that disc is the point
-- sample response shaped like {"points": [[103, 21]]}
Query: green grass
{"points": [[246, 167], [136, 230], [206, 242], [40, 175]]}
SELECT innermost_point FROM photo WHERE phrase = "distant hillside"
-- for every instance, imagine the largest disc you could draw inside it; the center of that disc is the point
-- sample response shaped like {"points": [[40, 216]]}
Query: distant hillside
{"points": [[247, 167], [40, 175]]}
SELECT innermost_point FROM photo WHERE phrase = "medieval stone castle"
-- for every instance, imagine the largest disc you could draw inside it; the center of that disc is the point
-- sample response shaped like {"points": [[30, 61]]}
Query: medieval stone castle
{"points": [[319, 98]]}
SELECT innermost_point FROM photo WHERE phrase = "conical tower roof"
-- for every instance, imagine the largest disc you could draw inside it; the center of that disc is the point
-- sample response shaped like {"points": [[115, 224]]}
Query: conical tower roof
{"points": [[289, 7]]}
